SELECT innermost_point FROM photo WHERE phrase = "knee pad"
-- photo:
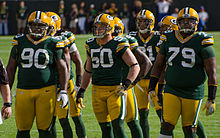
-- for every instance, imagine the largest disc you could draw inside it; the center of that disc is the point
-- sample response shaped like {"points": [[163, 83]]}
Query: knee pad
{"points": [[189, 129], [167, 126]]}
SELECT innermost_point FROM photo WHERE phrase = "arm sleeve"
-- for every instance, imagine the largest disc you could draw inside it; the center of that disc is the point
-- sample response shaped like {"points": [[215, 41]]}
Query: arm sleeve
{"points": [[207, 52], [122, 46], [72, 48]]}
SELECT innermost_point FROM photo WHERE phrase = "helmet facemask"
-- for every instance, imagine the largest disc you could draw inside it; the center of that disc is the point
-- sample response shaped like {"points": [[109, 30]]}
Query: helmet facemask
{"points": [[187, 25], [164, 27], [37, 29], [100, 29], [143, 25]]}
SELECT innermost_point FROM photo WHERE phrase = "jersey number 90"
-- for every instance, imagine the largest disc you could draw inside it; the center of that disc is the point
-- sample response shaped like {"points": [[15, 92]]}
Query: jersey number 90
{"points": [[32, 58]]}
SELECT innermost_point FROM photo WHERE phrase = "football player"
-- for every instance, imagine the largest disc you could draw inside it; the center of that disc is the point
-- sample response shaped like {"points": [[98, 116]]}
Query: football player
{"points": [[145, 64], [75, 57], [37, 57], [147, 43], [189, 56], [105, 57], [168, 23]]}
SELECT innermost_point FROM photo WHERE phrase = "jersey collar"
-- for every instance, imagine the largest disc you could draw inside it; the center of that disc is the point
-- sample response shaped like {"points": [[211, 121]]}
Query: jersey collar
{"points": [[36, 42], [180, 37], [148, 38]]}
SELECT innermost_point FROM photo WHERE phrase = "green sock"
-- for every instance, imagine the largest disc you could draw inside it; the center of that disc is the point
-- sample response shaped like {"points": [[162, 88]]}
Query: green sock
{"points": [[50, 132], [144, 122], [53, 129], [23, 134], [165, 132], [192, 135], [45, 134], [159, 112], [79, 126], [107, 131], [67, 130], [135, 129], [118, 128], [200, 130]]}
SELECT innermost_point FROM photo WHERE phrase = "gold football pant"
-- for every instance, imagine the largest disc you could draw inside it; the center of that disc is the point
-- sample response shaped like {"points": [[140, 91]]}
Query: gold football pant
{"points": [[174, 106], [107, 106], [74, 111], [141, 93], [131, 106], [31, 103]]}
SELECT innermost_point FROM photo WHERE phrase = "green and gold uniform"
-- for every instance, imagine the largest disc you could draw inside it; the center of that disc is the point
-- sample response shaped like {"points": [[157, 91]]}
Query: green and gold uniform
{"points": [[69, 38], [36, 85], [106, 78], [131, 103], [149, 47], [185, 74]]}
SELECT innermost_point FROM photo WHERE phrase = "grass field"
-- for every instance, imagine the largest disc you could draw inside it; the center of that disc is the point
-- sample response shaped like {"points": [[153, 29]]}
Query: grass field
{"points": [[212, 123]]}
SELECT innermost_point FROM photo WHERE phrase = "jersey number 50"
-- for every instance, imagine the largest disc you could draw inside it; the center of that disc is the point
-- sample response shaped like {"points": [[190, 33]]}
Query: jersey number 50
{"points": [[99, 60]]}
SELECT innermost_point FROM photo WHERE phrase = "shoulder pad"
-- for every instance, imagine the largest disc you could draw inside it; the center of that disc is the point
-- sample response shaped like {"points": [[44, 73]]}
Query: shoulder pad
{"points": [[18, 36], [133, 33], [120, 39], [207, 39], [90, 40], [168, 31], [156, 33], [163, 37], [15, 39], [58, 38]]}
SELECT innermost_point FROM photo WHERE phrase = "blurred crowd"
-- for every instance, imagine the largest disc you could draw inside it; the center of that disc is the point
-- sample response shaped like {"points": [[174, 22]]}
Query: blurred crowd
{"points": [[80, 17]]}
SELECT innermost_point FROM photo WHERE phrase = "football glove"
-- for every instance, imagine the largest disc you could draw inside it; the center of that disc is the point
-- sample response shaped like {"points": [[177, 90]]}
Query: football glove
{"points": [[79, 98], [63, 96], [210, 107]]}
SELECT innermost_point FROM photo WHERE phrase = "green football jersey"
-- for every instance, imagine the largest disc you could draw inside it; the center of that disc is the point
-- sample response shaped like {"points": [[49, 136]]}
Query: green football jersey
{"points": [[133, 46], [185, 74], [71, 39], [107, 60], [36, 60], [148, 46]]}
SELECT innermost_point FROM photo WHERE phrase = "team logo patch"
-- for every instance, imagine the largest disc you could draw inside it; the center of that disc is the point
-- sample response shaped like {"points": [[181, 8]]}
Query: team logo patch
{"points": [[54, 17], [109, 17], [173, 21]]}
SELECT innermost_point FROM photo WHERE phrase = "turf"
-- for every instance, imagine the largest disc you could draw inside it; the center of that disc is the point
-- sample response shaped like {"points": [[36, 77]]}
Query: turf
{"points": [[212, 123]]}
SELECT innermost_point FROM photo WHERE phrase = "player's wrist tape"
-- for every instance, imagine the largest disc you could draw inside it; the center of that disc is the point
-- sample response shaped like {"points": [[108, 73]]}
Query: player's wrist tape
{"points": [[78, 80], [87, 71], [126, 84], [134, 64], [153, 83], [80, 94], [63, 92], [212, 92], [7, 104], [160, 88], [136, 80]]}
